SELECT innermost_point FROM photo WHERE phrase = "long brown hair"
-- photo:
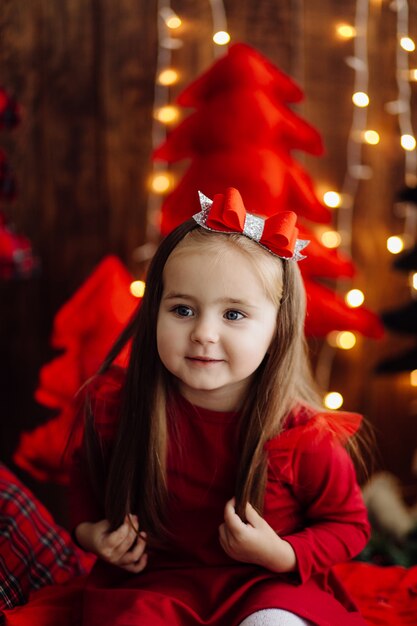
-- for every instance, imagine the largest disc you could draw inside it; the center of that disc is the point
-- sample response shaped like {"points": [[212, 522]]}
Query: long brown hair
{"points": [[136, 478]]}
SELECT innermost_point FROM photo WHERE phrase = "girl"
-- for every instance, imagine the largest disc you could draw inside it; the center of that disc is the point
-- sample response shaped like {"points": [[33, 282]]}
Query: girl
{"points": [[211, 486]]}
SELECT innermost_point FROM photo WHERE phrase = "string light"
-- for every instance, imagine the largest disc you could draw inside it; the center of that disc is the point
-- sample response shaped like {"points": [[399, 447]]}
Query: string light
{"points": [[395, 244], [408, 142], [168, 77], [170, 18], [354, 298], [221, 38], [331, 239], [407, 44], [371, 137], [167, 114], [344, 339], [345, 31], [413, 378], [161, 182], [221, 35], [360, 99], [332, 199], [333, 400], [414, 281], [137, 288]]}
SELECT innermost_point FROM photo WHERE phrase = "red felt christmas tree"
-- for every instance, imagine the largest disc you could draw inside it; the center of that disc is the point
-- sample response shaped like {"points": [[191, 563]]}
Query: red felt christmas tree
{"points": [[16, 256], [84, 330], [242, 134]]}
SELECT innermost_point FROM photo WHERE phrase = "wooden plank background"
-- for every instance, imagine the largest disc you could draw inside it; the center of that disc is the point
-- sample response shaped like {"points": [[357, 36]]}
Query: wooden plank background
{"points": [[84, 73]]}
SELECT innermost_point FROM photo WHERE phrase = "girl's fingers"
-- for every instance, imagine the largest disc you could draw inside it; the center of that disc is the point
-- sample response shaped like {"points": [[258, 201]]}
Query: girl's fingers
{"points": [[134, 554], [252, 516], [233, 522], [137, 567]]}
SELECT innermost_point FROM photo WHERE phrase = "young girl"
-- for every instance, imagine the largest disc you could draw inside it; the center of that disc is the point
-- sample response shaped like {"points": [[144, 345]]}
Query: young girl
{"points": [[211, 486]]}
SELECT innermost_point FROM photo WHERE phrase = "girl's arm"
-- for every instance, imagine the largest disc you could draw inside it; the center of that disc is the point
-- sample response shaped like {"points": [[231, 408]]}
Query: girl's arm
{"points": [[255, 542], [336, 525]]}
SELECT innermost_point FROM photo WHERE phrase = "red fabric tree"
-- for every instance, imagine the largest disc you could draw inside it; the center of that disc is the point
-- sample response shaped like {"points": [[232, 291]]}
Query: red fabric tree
{"points": [[241, 135], [84, 329]]}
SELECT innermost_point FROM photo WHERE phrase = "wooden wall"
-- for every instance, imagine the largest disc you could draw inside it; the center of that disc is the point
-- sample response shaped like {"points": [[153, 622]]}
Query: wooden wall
{"points": [[84, 73]]}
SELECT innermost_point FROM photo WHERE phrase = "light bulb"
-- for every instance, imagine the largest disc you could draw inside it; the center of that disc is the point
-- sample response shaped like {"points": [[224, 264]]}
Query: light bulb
{"points": [[371, 137], [332, 199], [408, 142], [221, 38], [167, 114], [360, 99], [346, 340], [168, 77], [354, 298], [412, 75], [413, 378], [170, 18], [333, 400], [407, 44], [414, 281], [161, 182], [137, 288], [395, 244], [330, 239], [345, 31]]}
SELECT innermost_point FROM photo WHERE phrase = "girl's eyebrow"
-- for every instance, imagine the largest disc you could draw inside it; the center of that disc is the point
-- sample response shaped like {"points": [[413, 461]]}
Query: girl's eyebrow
{"points": [[183, 296]]}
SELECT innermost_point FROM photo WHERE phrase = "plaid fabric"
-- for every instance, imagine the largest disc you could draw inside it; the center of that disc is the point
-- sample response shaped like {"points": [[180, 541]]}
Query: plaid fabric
{"points": [[34, 551]]}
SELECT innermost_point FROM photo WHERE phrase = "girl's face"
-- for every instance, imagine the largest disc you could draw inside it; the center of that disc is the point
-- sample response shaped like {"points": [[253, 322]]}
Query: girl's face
{"points": [[215, 325]]}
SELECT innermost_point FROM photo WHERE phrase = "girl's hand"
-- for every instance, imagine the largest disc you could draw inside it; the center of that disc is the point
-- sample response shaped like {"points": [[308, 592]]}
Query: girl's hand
{"points": [[255, 542], [123, 547]]}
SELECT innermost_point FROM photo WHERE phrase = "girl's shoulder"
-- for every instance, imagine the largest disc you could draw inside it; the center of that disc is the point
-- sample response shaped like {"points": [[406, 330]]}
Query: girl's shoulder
{"points": [[311, 435], [308, 426]]}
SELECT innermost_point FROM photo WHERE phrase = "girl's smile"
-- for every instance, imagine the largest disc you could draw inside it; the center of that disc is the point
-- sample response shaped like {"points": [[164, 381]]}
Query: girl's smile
{"points": [[215, 325]]}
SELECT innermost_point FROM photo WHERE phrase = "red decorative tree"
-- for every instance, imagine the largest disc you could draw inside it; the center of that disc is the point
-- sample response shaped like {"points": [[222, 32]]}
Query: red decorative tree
{"points": [[241, 135], [16, 256], [84, 329]]}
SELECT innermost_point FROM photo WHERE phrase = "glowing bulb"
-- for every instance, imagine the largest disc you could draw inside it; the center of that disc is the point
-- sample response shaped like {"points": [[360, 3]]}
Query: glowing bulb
{"points": [[331, 239], [346, 31], [333, 400], [412, 75], [408, 142], [360, 99], [371, 137], [395, 244], [346, 340], [332, 199], [161, 183], [221, 38], [167, 115], [137, 288], [413, 378], [173, 22], [354, 298], [170, 18], [407, 44], [168, 77], [414, 281]]}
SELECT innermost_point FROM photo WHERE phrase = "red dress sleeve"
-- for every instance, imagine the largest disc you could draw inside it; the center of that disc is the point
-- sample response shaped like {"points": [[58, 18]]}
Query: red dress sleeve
{"points": [[322, 478], [104, 395]]}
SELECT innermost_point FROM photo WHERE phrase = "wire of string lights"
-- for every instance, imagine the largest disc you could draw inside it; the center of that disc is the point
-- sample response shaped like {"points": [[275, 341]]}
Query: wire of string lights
{"points": [[405, 45]]}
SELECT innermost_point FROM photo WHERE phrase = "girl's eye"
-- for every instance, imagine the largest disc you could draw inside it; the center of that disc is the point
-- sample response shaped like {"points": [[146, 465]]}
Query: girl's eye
{"points": [[233, 316], [183, 311]]}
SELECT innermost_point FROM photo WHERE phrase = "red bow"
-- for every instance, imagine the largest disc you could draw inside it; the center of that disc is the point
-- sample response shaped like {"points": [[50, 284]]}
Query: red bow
{"points": [[228, 214]]}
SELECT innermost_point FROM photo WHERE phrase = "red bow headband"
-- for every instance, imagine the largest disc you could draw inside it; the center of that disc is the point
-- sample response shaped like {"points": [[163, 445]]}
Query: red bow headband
{"points": [[227, 214]]}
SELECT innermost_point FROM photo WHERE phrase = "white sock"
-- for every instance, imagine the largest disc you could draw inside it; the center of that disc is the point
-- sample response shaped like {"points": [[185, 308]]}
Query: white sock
{"points": [[274, 617]]}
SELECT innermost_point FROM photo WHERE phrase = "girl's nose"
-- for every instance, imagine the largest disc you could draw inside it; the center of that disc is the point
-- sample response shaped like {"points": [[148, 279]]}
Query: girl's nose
{"points": [[204, 331]]}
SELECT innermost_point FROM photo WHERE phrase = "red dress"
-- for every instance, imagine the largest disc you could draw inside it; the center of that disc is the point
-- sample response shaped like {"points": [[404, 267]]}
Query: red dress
{"points": [[312, 500]]}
